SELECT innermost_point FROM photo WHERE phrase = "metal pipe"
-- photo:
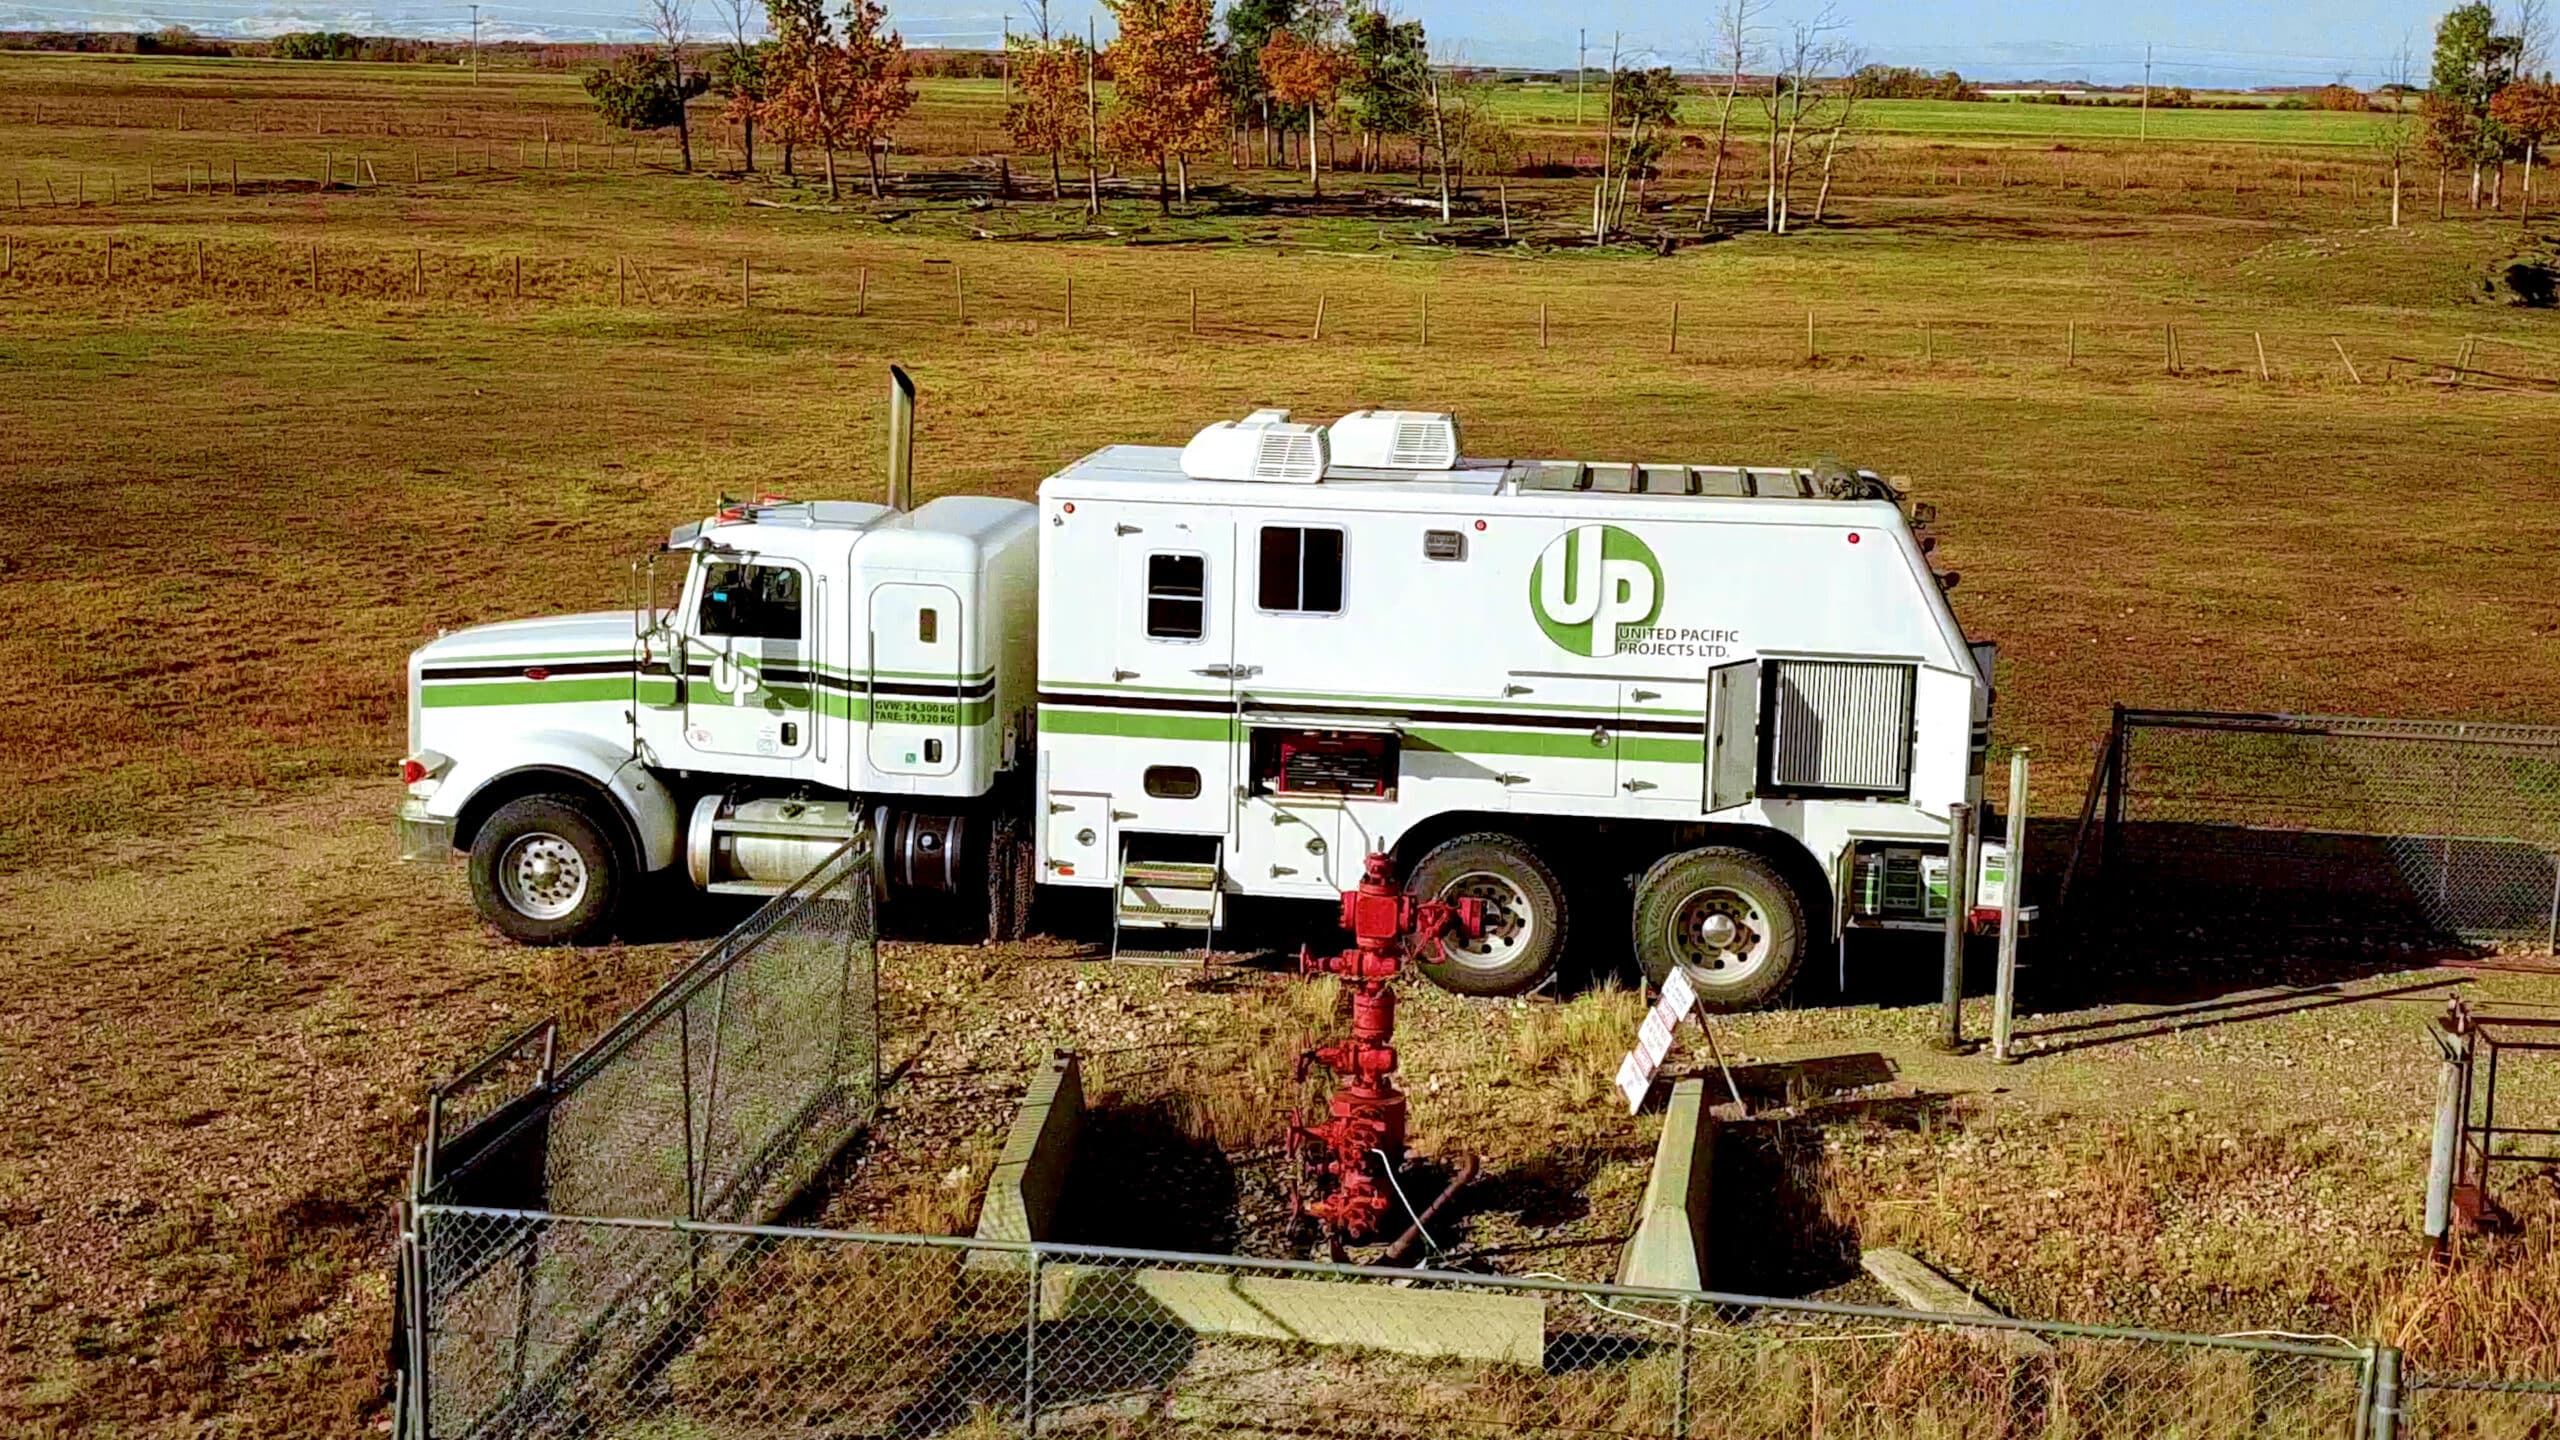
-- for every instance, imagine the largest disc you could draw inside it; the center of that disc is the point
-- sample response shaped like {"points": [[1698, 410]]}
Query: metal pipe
{"points": [[1402, 1250], [902, 440], [2015, 880], [2442, 1158], [1951, 1018]]}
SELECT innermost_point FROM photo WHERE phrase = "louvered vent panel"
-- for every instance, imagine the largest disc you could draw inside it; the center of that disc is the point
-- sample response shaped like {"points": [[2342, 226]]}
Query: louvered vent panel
{"points": [[1843, 726], [1424, 444], [1289, 455]]}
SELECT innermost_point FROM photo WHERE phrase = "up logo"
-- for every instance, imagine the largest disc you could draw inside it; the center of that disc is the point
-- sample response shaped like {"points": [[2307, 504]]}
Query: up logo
{"points": [[735, 676], [1589, 582]]}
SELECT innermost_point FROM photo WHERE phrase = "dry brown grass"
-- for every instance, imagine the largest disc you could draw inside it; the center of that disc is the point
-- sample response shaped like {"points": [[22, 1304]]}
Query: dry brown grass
{"points": [[233, 507]]}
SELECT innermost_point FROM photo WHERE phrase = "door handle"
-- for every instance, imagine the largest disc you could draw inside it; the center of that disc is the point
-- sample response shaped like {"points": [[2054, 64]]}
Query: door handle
{"points": [[1599, 734], [1635, 785], [1645, 695], [1510, 690], [1229, 672], [1507, 778], [1124, 674]]}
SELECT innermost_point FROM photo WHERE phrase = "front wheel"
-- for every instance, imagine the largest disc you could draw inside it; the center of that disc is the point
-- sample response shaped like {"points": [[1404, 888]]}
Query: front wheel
{"points": [[1524, 914], [1727, 918], [544, 872]]}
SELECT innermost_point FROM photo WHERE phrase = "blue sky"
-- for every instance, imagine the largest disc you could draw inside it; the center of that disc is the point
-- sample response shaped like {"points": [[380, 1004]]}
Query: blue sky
{"points": [[2194, 42]]}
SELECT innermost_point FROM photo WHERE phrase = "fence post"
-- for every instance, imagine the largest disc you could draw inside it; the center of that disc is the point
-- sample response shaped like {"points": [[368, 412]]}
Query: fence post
{"points": [[2384, 1419], [1195, 311], [2015, 877], [1809, 351], [862, 292], [1542, 324], [2444, 1155], [1675, 327], [2070, 344], [2342, 356], [1680, 1394], [1071, 305], [959, 297], [1031, 1352], [1318, 332], [1426, 318], [1951, 1001]]}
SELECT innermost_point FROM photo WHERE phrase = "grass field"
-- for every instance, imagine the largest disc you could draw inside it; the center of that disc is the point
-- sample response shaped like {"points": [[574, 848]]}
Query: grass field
{"points": [[420, 398]]}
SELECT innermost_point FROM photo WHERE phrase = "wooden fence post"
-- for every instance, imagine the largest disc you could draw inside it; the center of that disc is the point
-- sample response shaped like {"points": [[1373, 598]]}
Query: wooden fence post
{"points": [[746, 280], [959, 297], [1071, 304], [1195, 312], [1809, 351], [1318, 332], [1542, 324], [199, 264], [111, 260], [1675, 327], [2169, 348], [621, 280], [417, 167], [862, 292], [329, 169], [1928, 344], [518, 289], [2262, 355], [315, 267], [1426, 319], [2342, 357], [2070, 344]]}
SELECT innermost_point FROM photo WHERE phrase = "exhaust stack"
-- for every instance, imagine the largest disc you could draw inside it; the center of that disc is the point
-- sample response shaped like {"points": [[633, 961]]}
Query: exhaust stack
{"points": [[902, 440]]}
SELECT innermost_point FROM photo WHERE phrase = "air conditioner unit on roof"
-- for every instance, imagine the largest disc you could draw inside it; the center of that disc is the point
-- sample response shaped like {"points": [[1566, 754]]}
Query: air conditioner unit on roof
{"points": [[1262, 446], [1396, 440]]}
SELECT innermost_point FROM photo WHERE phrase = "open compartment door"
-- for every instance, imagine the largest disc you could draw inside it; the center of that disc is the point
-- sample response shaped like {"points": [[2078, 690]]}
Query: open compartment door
{"points": [[1733, 734]]}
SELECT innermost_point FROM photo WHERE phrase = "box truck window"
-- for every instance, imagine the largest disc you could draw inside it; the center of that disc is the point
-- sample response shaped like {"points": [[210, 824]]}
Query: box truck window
{"points": [[1301, 570], [1177, 597]]}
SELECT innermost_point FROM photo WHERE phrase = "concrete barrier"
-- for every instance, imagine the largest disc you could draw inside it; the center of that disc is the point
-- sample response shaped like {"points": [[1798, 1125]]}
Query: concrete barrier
{"points": [[1669, 1250], [1022, 1191], [1453, 1324]]}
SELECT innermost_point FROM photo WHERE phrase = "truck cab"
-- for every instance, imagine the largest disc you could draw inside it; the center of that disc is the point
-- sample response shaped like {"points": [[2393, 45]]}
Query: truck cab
{"points": [[823, 666]]}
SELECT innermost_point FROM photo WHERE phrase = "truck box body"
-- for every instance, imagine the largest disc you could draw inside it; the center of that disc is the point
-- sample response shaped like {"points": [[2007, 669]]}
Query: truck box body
{"points": [[1308, 671]]}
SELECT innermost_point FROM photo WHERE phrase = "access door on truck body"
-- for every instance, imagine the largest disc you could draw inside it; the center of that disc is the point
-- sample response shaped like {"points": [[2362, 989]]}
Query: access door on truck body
{"points": [[916, 686], [1174, 670]]}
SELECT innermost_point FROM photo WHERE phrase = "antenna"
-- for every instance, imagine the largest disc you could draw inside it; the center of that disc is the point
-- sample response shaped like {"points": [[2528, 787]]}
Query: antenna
{"points": [[2145, 123]]}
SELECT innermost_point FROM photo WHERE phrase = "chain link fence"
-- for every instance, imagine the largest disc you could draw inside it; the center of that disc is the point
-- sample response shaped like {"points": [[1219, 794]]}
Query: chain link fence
{"points": [[2444, 1407], [717, 1099], [2393, 831], [752, 1331], [720, 1098]]}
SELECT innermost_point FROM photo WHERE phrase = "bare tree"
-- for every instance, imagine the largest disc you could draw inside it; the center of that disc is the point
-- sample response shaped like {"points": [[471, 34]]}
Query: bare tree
{"points": [[1736, 44], [669, 20], [1847, 60], [2530, 22], [1798, 102], [1608, 148], [2395, 135]]}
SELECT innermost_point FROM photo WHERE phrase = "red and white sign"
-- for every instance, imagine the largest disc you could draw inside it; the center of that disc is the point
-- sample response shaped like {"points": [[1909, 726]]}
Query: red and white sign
{"points": [[1653, 1039]]}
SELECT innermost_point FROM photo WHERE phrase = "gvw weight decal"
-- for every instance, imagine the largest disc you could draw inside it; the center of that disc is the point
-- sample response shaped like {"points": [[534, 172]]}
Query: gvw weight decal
{"points": [[1592, 583]]}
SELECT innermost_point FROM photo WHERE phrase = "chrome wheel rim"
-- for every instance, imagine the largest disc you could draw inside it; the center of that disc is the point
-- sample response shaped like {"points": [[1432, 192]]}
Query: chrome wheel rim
{"points": [[1719, 935], [542, 876], [1510, 924]]}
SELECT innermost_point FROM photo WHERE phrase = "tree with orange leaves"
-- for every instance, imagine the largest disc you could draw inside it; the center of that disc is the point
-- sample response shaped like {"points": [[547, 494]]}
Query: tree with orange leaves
{"points": [[1047, 113], [2529, 111], [1167, 105], [1309, 72], [876, 64], [840, 93]]}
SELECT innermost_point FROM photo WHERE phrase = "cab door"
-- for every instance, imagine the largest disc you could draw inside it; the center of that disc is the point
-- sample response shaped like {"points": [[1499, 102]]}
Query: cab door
{"points": [[747, 686], [914, 684]]}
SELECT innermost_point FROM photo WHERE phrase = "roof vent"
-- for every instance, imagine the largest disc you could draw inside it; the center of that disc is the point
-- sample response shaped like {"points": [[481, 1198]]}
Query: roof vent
{"points": [[1262, 446], [1396, 440]]}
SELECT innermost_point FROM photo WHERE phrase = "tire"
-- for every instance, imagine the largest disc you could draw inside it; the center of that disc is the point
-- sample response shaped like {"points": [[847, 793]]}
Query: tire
{"points": [[1728, 918], [1525, 919], [545, 872]]}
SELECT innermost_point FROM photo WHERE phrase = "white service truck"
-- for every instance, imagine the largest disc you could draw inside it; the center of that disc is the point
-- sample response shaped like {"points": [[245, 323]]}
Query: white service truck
{"points": [[1720, 711]]}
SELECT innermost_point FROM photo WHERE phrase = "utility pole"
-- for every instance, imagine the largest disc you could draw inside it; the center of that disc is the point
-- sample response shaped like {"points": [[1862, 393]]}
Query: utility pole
{"points": [[1581, 52], [2145, 131], [1092, 126], [1005, 63], [475, 44]]}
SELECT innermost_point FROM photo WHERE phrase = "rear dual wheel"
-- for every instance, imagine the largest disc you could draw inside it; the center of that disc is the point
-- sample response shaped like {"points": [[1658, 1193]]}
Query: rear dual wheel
{"points": [[1524, 914], [1727, 918]]}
